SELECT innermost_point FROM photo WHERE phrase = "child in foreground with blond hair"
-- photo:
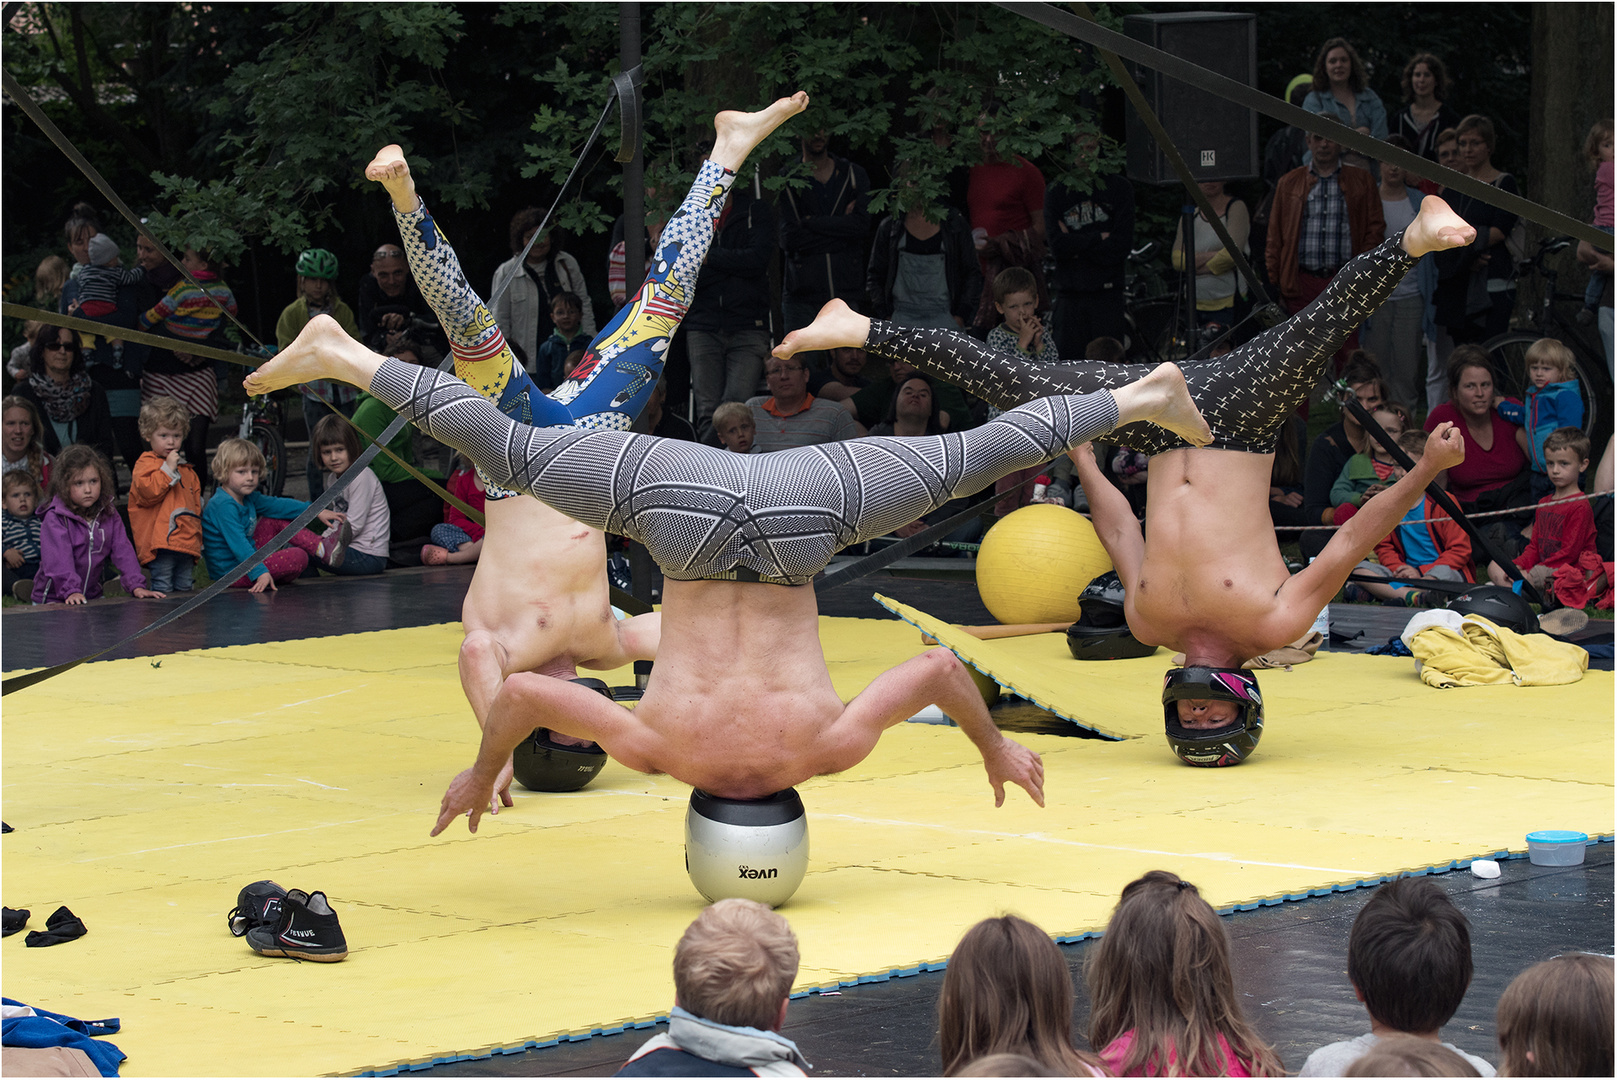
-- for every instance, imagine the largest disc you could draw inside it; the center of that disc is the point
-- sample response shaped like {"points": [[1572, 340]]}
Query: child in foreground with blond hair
{"points": [[165, 498]]}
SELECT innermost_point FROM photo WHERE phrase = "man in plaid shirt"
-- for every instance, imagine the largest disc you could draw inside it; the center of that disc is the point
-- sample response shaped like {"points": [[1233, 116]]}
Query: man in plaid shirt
{"points": [[1324, 213]]}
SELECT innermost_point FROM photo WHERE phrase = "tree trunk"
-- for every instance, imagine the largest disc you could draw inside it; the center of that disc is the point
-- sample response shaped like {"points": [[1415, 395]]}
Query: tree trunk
{"points": [[1571, 89]]}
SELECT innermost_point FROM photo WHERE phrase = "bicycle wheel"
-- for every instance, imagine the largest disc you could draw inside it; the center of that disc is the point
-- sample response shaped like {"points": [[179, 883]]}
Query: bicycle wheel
{"points": [[1158, 335], [1509, 355], [268, 440]]}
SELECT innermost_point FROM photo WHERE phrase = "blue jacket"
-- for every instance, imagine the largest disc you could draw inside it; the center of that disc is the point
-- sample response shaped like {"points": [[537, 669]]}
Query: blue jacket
{"points": [[1558, 405], [227, 528], [1367, 103]]}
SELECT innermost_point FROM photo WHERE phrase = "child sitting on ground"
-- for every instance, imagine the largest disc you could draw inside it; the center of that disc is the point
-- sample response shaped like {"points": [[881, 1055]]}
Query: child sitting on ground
{"points": [[458, 539], [550, 366], [1562, 555], [1555, 1018], [82, 532], [1163, 997], [21, 496], [362, 502], [165, 498], [735, 427], [1553, 402], [1367, 474], [1409, 962], [1427, 545], [233, 526]]}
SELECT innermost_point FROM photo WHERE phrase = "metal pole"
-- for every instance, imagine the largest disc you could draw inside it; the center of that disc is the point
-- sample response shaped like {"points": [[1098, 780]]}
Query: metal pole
{"points": [[634, 172], [641, 568]]}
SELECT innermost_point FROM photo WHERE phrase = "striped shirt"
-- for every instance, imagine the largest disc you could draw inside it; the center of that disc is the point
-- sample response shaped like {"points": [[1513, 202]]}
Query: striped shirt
{"points": [[819, 421], [187, 312], [22, 534], [1325, 242]]}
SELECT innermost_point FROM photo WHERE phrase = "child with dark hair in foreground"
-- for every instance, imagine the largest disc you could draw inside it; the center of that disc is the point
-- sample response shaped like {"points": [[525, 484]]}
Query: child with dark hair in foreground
{"points": [[21, 496], [1163, 996], [336, 445], [458, 539], [1409, 960], [82, 532]]}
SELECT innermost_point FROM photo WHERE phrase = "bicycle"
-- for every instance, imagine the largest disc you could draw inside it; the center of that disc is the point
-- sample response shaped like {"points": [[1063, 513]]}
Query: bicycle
{"points": [[261, 420], [1509, 350]]}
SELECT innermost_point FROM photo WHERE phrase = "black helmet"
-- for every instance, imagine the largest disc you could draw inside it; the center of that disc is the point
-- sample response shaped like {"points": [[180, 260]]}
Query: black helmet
{"points": [[1499, 605], [1102, 632], [1228, 745], [542, 764]]}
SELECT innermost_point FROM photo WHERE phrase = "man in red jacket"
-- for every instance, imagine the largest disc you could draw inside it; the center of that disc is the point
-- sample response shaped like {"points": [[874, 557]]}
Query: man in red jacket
{"points": [[1324, 214]]}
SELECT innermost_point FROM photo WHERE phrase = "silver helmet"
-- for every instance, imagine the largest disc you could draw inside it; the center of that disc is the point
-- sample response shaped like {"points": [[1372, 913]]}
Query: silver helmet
{"points": [[752, 849]]}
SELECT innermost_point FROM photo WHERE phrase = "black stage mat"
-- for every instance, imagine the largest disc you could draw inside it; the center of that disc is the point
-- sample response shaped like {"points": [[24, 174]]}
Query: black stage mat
{"points": [[1289, 959]]}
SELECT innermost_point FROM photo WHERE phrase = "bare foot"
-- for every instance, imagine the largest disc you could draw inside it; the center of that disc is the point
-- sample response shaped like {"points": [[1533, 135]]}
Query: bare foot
{"points": [[323, 350], [433, 555], [1436, 228], [1163, 399], [837, 326], [390, 169], [738, 132]]}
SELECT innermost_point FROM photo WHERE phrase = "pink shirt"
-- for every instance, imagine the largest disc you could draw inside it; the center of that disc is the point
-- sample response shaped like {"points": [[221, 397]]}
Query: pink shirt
{"points": [[1482, 470], [1118, 1049], [1603, 194]]}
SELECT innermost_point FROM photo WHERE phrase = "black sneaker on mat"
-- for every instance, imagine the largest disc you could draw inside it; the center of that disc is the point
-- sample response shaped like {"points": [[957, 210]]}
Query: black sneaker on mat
{"points": [[258, 904], [307, 930]]}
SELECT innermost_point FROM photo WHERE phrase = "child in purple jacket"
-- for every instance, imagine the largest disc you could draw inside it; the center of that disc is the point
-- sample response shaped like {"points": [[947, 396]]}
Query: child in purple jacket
{"points": [[81, 532]]}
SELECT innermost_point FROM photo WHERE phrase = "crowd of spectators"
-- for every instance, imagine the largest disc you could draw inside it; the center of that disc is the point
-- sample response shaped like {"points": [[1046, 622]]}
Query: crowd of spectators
{"points": [[1034, 270], [1164, 1000]]}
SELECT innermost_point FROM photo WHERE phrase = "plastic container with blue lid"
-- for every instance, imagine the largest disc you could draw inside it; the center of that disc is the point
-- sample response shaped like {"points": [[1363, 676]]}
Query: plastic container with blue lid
{"points": [[1556, 847]]}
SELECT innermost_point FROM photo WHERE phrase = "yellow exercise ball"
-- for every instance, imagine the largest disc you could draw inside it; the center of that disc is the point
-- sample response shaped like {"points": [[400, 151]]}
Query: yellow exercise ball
{"points": [[1035, 561]]}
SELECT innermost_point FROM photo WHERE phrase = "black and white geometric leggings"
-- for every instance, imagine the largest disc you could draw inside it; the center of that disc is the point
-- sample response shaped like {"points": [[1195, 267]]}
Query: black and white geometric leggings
{"points": [[1245, 395], [704, 512]]}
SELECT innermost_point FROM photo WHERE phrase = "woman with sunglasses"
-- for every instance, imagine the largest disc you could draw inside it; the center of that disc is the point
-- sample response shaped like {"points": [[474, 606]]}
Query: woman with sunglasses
{"points": [[73, 407]]}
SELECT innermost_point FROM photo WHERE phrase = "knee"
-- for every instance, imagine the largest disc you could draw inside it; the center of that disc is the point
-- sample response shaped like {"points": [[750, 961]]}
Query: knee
{"points": [[945, 665], [480, 650]]}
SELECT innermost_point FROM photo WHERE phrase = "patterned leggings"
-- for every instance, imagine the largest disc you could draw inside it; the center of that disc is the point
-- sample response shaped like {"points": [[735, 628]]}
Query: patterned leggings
{"points": [[621, 367], [1246, 395], [706, 513]]}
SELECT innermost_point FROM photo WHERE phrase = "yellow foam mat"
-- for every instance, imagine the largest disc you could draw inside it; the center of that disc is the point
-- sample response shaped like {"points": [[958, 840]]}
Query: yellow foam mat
{"points": [[145, 796]]}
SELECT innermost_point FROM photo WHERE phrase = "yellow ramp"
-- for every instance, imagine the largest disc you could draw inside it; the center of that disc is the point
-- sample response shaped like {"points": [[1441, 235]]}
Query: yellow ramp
{"points": [[145, 796]]}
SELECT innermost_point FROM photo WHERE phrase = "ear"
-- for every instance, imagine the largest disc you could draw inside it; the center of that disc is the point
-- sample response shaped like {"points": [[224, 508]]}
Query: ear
{"points": [[1357, 992], [780, 1018]]}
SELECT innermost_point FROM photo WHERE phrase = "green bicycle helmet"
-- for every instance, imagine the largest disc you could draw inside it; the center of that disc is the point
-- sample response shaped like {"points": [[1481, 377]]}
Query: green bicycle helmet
{"points": [[318, 263]]}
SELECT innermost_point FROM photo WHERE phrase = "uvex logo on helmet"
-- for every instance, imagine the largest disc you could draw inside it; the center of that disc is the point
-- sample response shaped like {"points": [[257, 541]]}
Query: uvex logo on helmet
{"points": [[750, 874]]}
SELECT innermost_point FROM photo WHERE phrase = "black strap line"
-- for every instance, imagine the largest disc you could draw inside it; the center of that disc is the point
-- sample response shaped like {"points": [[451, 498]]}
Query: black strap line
{"points": [[876, 560], [32, 109], [1454, 588], [1220, 86], [1177, 161], [87, 326], [626, 96], [1439, 496]]}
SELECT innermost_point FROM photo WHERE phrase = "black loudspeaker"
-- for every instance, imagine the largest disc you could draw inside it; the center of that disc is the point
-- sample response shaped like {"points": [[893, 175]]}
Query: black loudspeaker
{"points": [[1217, 138]]}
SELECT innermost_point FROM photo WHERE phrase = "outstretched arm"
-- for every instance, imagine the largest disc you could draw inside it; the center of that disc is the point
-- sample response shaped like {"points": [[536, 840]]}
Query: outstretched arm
{"points": [[1312, 588], [529, 701], [933, 678], [1113, 517]]}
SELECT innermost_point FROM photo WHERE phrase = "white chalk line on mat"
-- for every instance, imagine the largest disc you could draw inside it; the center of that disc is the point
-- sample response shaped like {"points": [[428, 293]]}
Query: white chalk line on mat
{"points": [[1212, 856]]}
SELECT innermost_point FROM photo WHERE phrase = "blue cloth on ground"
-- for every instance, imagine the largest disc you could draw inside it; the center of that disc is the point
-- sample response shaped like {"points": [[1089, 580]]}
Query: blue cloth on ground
{"points": [[46, 1028]]}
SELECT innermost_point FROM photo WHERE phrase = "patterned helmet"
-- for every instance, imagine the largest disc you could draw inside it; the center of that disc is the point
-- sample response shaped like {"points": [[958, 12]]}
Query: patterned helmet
{"points": [[1229, 745], [318, 263]]}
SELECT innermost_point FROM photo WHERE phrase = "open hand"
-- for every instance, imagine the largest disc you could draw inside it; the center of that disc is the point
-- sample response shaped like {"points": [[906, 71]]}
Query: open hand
{"points": [[1445, 447], [75, 598], [1014, 763], [331, 517], [263, 583], [148, 594], [466, 795], [13, 557], [1407, 573]]}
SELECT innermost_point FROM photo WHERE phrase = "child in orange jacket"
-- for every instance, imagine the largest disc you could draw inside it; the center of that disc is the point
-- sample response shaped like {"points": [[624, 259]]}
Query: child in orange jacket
{"points": [[165, 499]]}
